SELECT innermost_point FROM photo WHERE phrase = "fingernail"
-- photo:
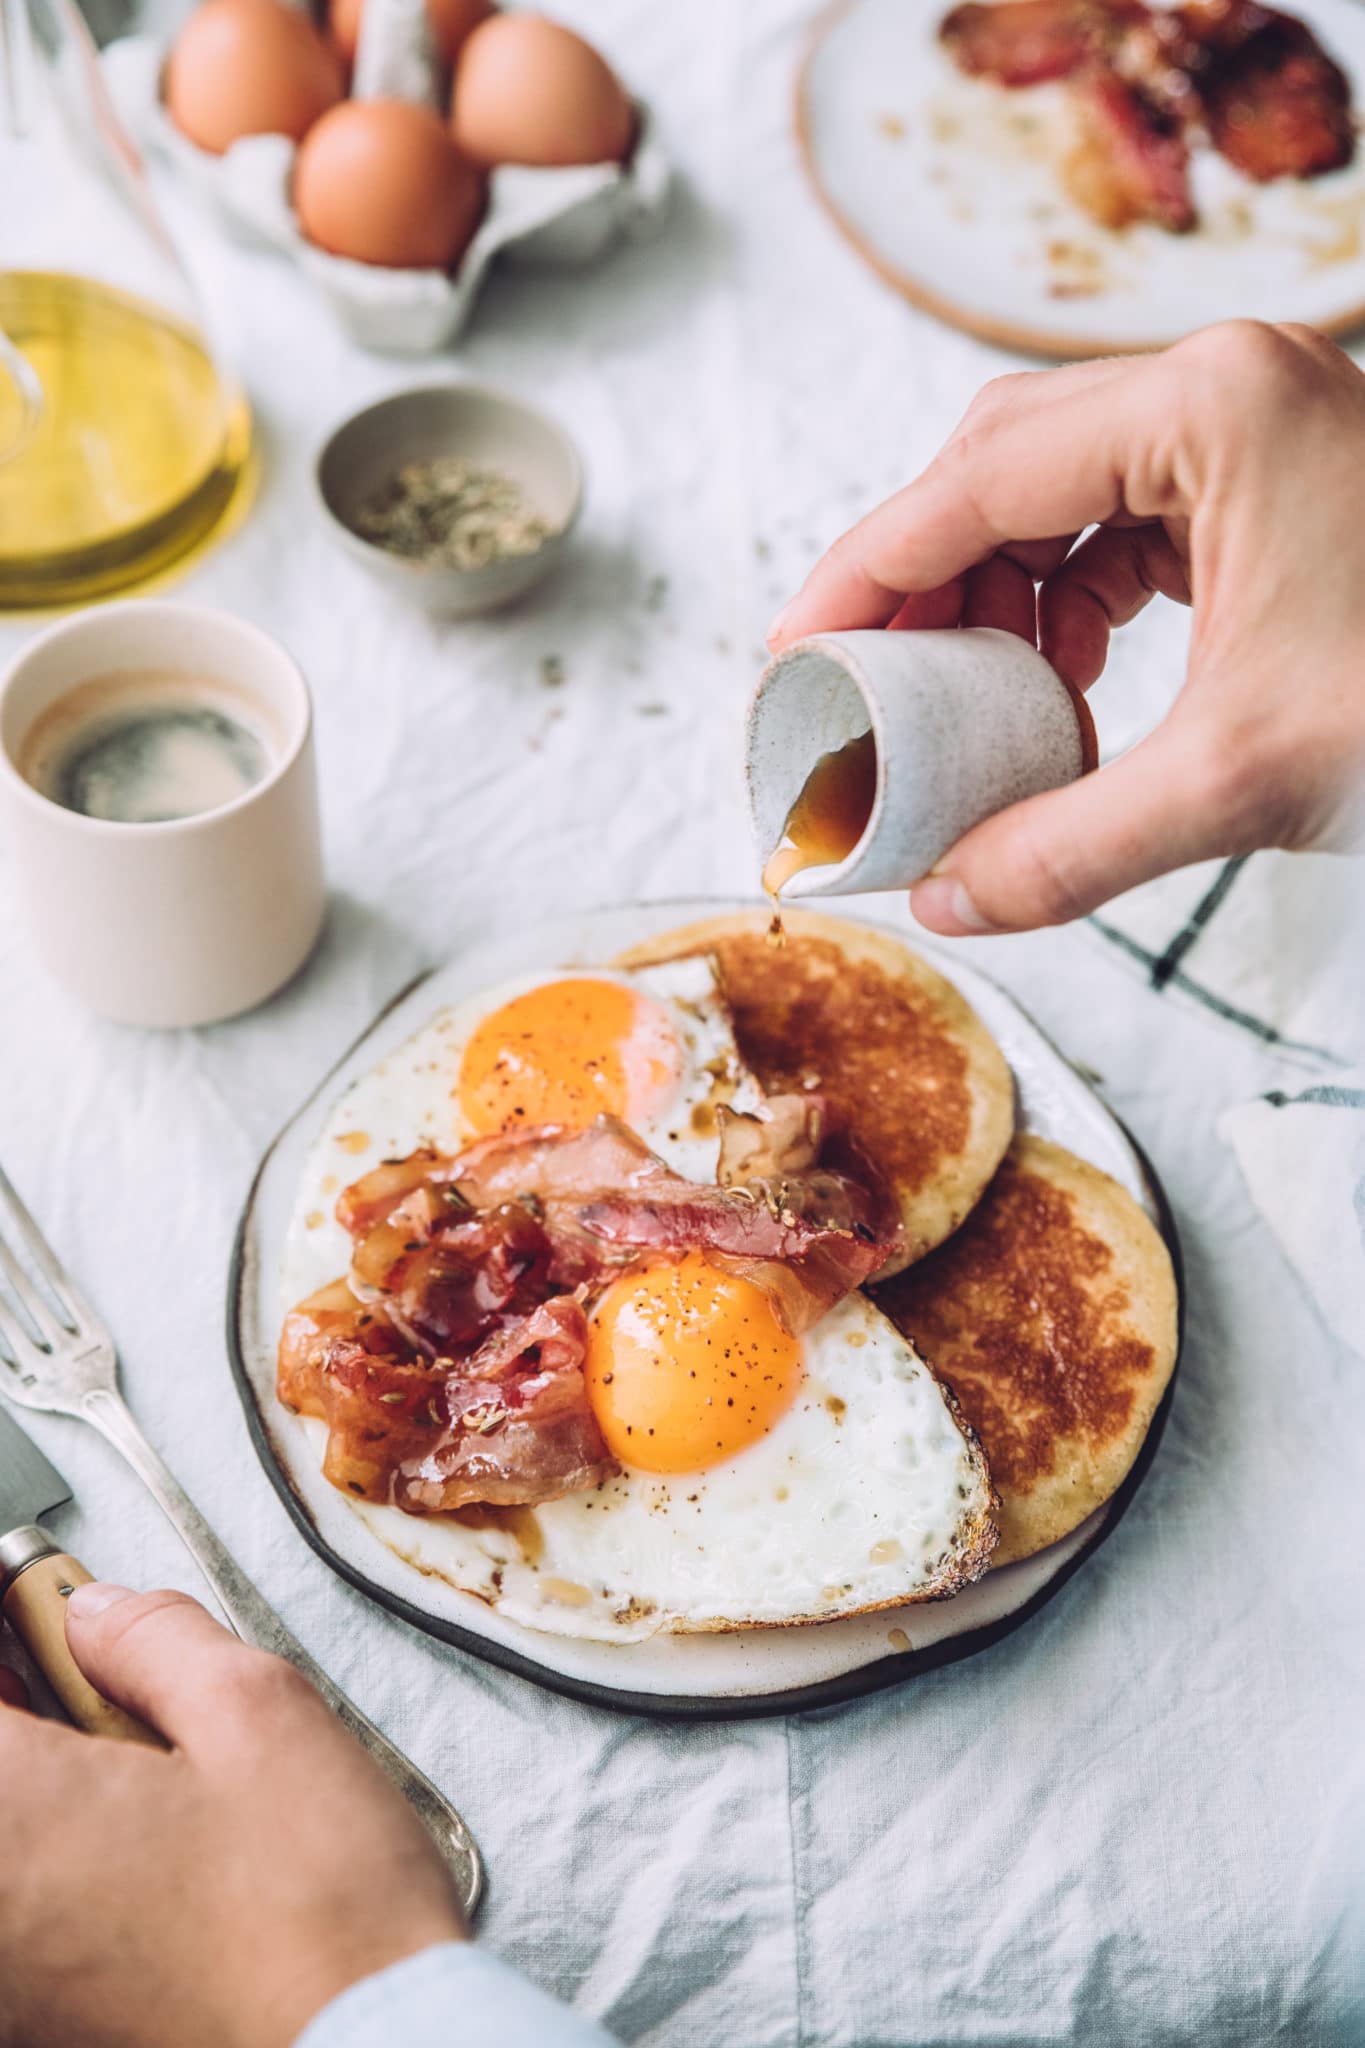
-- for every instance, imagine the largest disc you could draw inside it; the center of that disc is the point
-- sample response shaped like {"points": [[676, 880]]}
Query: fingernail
{"points": [[88, 1601], [774, 631], [943, 904]]}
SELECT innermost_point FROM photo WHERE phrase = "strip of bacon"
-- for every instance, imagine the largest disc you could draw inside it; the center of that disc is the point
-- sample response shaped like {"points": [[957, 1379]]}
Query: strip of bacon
{"points": [[376, 1194], [1256, 80], [521, 1215], [552, 1163], [451, 1279], [518, 1440], [1274, 103], [509, 1425], [1028, 42], [333, 1312], [449, 1368], [1130, 161], [605, 1200]]}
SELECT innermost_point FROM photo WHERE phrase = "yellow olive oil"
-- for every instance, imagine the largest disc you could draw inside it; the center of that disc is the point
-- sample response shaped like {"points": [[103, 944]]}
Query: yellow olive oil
{"points": [[137, 450]]}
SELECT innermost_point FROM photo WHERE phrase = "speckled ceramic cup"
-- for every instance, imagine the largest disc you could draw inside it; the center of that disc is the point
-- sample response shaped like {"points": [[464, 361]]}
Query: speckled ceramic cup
{"points": [[190, 919], [965, 724]]}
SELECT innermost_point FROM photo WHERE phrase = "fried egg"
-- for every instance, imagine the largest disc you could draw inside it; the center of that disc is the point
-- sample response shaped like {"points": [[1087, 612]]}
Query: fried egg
{"points": [[765, 1479], [653, 1046]]}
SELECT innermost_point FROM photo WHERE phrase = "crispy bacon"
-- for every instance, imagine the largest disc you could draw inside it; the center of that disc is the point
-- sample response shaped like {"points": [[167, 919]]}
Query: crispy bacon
{"points": [[1127, 86], [606, 1201], [520, 1215], [450, 1283], [1026, 42], [449, 1367], [376, 1194], [510, 1424], [1253, 81], [1274, 103], [333, 1312], [804, 1264], [517, 1440], [380, 1411], [554, 1164], [1130, 161]]}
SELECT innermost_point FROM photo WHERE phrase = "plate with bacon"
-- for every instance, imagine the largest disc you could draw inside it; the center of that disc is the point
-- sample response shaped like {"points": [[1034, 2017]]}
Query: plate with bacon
{"points": [[1084, 177], [705, 1323]]}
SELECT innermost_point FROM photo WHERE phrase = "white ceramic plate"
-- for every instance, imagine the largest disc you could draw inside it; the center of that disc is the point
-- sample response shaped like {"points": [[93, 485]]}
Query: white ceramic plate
{"points": [[948, 186], [752, 1671]]}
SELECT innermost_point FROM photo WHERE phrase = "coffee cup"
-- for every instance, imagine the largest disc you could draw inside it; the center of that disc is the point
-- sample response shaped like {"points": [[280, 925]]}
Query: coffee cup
{"points": [[149, 916]]}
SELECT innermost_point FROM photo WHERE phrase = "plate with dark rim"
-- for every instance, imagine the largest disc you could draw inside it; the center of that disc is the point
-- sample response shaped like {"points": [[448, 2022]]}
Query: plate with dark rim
{"points": [[950, 188], [750, 1671]]}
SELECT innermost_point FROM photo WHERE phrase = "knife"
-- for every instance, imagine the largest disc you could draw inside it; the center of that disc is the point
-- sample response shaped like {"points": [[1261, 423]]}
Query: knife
{"points": [[36, 1578]]}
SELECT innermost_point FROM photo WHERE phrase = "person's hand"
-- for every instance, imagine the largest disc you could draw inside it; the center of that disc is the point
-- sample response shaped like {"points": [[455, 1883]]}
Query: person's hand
{"points": [[1228, 471], [222, 1891]]}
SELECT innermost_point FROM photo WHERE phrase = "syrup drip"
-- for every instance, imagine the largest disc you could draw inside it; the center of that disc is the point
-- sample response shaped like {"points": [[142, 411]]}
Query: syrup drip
{"points": [[829, 816]]}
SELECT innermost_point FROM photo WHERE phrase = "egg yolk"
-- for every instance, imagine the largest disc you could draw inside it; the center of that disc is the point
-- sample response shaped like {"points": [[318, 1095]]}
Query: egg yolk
{"points": [[566, 1052], [687, 1364]]}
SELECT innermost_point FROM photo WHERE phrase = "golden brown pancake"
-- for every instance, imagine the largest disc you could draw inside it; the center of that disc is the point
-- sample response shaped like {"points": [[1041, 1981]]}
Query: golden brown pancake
{"points": [[902, 1058], [1052, 1315]]}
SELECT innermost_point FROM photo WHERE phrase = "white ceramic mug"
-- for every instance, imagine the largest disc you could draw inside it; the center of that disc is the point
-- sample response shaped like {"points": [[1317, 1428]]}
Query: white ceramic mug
{"points": [[189, 920], [964, 722]]}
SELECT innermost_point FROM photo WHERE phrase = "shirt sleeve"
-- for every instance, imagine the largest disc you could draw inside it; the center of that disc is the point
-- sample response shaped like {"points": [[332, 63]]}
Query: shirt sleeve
{"points": [[445, 1997]]}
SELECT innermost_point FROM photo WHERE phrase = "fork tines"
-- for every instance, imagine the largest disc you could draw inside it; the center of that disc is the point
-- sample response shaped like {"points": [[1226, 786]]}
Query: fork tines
{"points": [[40, 1309]]}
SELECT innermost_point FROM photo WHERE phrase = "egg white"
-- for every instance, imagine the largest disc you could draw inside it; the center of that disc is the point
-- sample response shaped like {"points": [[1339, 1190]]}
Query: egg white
{"points": [[856, 1498], [410, 1099]]}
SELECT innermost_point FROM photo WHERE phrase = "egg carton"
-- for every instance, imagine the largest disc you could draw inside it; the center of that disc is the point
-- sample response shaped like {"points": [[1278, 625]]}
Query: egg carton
{"points": [[535, 216]]}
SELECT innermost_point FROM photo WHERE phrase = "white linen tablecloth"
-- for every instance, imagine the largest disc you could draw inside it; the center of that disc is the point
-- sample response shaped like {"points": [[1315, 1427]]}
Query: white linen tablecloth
{"points": [[1136, 1820]]}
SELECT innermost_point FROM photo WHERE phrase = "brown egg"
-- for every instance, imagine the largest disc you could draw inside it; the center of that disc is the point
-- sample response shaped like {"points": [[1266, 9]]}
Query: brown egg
{"points": [[382, 182], [451, 21], [530, 92], [249, 67]]}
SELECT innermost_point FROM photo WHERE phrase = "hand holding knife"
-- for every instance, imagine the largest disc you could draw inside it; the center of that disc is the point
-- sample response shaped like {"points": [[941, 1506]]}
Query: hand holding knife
{"points": [[36, 1578], [57, 1355]]}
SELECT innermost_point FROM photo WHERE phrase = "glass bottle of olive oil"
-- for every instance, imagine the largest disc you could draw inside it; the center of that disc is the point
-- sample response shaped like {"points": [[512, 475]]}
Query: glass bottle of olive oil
{"points": [[122, 442], [125, 455]]}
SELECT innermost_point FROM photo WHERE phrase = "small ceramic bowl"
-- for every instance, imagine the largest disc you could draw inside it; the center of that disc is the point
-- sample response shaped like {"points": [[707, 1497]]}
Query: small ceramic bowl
{"points": [[488, 427]]}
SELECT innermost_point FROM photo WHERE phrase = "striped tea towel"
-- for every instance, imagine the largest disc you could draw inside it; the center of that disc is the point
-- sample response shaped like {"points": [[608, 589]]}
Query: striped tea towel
{"points": [[1303, 1158], [1272, 944]]}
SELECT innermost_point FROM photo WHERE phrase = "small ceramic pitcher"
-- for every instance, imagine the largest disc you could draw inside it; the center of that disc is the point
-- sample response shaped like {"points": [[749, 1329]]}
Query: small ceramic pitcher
{"points": [[964, 723]]}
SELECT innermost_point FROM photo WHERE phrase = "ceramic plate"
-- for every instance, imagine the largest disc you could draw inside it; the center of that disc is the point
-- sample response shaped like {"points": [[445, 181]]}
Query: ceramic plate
{"points": [[748, 1672], [948, 186]]}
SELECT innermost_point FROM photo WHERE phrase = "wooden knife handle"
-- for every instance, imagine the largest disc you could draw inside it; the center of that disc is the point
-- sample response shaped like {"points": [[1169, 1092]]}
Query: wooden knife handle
{"points": [[35, 1608]]}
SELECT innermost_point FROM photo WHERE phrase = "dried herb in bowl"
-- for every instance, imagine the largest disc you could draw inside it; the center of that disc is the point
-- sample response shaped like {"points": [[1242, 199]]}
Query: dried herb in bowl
{"points": [[451, 513]]}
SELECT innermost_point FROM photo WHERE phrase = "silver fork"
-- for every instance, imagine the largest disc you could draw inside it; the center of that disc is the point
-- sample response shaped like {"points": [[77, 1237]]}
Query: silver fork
{"points": [[57, 1355]]}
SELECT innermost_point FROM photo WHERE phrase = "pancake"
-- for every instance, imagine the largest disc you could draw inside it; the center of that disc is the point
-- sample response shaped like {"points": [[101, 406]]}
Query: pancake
{"points": [[924, 1090], [1052, 1315]]}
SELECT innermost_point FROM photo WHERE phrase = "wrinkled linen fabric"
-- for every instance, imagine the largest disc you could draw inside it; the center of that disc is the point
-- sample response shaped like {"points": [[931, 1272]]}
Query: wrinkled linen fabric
{"points": [[1137, 1819], [456, 1991], [1302, 1155]]}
